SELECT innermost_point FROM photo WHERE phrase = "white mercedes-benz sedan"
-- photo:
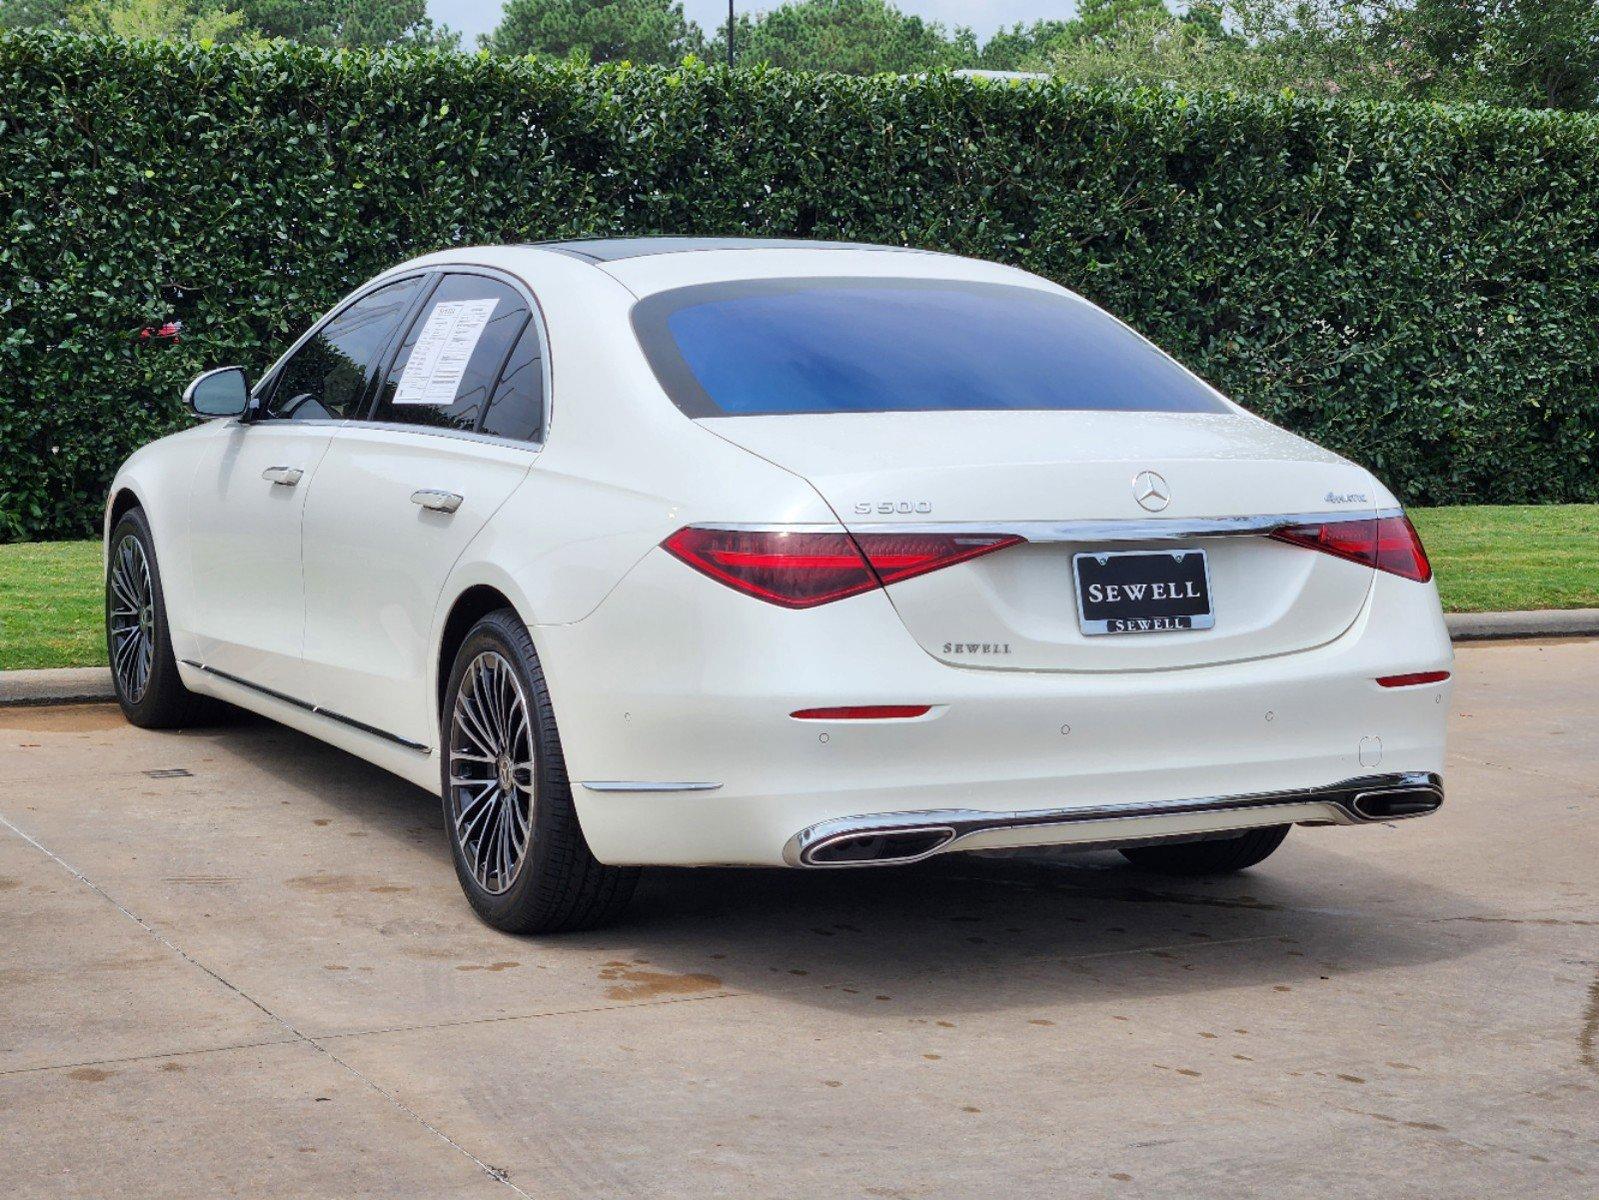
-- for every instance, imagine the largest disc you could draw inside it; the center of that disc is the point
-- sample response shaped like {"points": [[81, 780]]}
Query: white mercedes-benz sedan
{"points": [[691, 551]]}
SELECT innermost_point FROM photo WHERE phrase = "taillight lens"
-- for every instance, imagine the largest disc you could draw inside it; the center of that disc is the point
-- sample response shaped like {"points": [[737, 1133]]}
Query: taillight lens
{"points": [[1387, 543], [798, 569]]}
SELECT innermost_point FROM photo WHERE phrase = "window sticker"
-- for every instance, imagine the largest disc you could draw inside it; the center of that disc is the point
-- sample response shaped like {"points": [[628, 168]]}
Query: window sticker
{"points": [[433, 373]]}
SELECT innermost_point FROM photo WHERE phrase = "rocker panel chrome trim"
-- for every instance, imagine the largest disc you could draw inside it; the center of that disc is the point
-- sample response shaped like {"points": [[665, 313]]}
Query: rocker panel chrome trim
{"points": [[304, 706], [635, 785]]}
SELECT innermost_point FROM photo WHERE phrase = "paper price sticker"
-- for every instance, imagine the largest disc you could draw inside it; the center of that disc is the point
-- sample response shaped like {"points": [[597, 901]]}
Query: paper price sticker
{"points": [[438, 361]]}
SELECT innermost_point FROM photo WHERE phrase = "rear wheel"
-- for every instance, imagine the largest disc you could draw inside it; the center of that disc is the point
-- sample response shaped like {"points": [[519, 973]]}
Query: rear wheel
{"points": [[1218, 856], [519, 851], [138, 641]]}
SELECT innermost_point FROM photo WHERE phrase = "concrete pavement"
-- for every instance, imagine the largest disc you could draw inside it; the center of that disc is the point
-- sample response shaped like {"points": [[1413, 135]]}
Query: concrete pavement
{"points": [[236, 962]]}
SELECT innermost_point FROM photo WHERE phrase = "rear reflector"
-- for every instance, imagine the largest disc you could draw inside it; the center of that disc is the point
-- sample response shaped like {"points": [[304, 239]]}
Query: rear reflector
{"points": [[1414, 679], [1388, 543], [801, 569], [864, 712]]}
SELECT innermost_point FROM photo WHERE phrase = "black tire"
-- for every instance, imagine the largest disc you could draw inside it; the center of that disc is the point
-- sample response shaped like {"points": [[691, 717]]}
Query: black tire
{"points": [[153, 697], [557, 884], [1218, 856]]}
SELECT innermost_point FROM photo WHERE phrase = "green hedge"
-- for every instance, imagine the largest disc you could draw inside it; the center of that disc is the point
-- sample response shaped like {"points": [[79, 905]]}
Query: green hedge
{"points": [[1415, 286]]}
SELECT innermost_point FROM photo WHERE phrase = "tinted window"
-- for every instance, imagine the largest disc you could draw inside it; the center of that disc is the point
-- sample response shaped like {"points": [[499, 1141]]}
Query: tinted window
{"points": [[326, 377], [452, 354], [840, 345], [517, 410]]}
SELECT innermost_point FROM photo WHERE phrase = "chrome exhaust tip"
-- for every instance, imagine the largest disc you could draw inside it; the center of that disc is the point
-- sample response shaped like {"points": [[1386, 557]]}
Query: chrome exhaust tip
{"points": [[1390, 804], [883, 847]]}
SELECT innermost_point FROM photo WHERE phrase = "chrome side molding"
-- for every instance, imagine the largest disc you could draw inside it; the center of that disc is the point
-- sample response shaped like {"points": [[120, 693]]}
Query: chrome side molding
{"points": [[891, 839], [640, 785], [307, 706]]}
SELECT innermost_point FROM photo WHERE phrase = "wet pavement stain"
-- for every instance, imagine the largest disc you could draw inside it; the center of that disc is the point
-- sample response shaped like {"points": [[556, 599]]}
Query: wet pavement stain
{"points": [[1588, 1039], [504, 965], [90, 1075], [66, 718], [647, 985]]}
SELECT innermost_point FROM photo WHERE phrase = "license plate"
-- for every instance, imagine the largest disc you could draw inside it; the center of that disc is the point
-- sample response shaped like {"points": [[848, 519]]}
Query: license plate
{"points": [[1143, 591]]}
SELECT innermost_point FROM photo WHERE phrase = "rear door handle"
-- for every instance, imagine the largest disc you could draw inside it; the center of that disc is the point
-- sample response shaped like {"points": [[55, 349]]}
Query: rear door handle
{"points": [[446, 502], [282, 476]]}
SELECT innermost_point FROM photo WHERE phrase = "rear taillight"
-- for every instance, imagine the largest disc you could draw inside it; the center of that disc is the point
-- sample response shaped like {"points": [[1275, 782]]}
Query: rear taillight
{"points": [[799, 569], [1387, 543]]}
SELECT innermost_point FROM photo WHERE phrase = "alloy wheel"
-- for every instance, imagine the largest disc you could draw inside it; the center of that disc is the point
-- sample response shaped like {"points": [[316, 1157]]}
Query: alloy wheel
{"points": [[132, 618], [491, 771]]}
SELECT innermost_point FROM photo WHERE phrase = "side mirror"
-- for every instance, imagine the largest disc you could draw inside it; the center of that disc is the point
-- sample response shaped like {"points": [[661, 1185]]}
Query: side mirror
{"points": [[224, 392]]}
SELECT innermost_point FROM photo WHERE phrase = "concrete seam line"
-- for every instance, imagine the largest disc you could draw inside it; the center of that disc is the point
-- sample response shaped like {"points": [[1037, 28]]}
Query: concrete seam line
{"points": [[534, 1016], [494, 1173], [137, 1058]]}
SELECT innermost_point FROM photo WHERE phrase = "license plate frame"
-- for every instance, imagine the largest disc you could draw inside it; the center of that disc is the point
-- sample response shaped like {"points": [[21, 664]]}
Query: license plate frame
{"points": [[1179, 613]]}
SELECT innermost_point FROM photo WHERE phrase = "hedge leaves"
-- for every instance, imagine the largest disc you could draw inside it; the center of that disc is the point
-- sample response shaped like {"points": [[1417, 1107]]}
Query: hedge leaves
{"points": [[1415, 286]]}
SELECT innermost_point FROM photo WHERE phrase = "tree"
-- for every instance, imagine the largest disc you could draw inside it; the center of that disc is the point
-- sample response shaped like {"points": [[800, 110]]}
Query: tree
{"points": [[160, 19], [653, 31], [1021, 45], [33, 14], [854, 37], [1534, 53], [348, 23], [1106, 18]]}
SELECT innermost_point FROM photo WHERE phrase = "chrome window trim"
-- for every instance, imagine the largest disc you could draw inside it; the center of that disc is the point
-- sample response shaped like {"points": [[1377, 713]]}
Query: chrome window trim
{"points": [[535, 312], [465, 435], [1134, 530], [268, 377]]}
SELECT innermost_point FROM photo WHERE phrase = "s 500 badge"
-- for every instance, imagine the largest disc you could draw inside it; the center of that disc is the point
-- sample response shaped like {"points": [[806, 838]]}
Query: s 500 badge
{"points": [[889, 508]]}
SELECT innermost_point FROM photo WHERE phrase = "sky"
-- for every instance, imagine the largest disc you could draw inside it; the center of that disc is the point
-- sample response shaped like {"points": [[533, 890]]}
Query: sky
{"points": [[473, 17]]}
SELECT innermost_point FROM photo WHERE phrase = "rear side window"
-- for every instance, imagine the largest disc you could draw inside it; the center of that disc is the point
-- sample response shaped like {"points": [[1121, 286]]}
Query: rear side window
{"points": [[445, 368], [517, 410], [760, 347], [325, 379]]}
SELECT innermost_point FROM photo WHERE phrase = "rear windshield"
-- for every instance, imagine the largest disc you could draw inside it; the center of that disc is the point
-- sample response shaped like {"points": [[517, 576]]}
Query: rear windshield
{"points": [[762, 347]]}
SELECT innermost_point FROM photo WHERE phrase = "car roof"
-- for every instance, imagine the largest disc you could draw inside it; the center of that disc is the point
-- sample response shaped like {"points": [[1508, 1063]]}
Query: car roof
{"points": [[607, 250]]}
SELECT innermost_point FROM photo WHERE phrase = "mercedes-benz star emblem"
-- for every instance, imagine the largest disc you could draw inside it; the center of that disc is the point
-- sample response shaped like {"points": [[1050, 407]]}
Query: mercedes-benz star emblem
{"points": [[1151, 492]]}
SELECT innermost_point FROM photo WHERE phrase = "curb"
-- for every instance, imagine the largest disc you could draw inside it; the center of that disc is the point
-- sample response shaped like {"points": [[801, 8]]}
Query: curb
{"points": [[88, 685], [1538, 623], [71, 685]]}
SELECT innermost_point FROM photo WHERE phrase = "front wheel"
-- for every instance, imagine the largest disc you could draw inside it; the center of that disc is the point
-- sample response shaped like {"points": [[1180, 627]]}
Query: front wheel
{"points": [[519, 851], [138, 640], [1218, 856]]}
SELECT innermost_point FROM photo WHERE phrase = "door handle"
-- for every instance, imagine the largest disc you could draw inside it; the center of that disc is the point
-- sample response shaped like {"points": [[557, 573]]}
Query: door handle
{"points": [[445, 502], [282, 476]]}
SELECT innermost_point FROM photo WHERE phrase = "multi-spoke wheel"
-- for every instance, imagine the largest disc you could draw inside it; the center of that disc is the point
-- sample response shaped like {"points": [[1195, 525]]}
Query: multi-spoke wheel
{"points": [[491, 789], [519, 850], [130, 621], [138, 642]]}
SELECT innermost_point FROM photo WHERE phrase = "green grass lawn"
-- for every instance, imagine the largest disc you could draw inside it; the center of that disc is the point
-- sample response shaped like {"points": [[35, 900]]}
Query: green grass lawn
{"points": [[1518, 556], [1486, 558], [50, 605]]}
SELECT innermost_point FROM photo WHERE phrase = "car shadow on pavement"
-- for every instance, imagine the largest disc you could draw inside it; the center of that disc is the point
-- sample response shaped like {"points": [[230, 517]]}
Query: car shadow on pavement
{"points": [[959, 934]]}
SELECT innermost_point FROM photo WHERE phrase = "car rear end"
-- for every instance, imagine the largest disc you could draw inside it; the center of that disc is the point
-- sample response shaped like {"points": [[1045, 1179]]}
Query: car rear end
{"points": [[1070, 595]]}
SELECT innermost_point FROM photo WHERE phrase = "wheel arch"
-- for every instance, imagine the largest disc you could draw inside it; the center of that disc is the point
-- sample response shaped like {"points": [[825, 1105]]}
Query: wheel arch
{"points": [[471, 605]]}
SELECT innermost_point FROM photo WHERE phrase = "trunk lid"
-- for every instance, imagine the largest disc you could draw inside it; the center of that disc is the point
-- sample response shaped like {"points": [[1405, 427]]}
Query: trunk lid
{"points": [[1017, 609]]}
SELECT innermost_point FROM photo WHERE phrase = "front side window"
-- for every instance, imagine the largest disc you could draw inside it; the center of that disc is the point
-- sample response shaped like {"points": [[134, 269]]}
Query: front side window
{"points": [[762, 347], [446, 367], [325, 379]]}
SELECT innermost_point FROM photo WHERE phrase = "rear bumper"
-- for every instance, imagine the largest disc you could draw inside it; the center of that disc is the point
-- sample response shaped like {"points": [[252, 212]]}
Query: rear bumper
{"points": [[887, 839], [673, 699]]}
